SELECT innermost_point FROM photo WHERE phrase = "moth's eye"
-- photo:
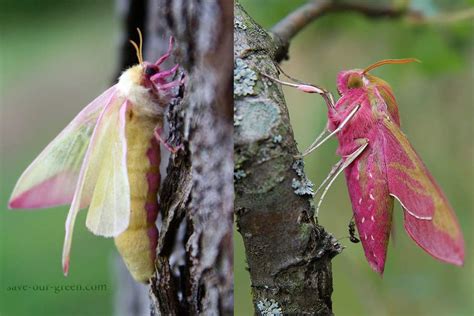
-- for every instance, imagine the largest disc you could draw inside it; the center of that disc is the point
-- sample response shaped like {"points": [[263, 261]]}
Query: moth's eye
{"points": [[150, 71], [354, 81]]}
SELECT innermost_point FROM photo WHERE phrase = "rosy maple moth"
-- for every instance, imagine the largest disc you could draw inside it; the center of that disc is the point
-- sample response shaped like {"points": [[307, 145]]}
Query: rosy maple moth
{"points": [[380, 164], [108, 159]]}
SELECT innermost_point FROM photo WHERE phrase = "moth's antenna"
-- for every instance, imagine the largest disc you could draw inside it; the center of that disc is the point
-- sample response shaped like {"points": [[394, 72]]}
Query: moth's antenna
{"points": [[138, 49], [390, 62], [141, 44]]}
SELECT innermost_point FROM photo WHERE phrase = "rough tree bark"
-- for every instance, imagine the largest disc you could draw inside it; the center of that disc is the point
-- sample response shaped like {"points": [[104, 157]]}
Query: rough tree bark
{"points": [[289, 255], [194, 264]]}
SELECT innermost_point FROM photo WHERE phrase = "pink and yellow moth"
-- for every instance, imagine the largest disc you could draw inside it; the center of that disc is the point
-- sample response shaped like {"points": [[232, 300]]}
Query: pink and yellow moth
{"points": [[380, 164], [108, 159]]}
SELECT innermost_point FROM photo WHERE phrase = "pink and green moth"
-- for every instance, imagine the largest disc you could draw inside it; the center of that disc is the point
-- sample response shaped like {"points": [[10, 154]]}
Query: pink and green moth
{"points": [[108, 159], [380, 164]]}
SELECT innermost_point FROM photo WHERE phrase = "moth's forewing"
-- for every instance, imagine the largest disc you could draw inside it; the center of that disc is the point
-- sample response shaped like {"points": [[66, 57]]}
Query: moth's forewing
{"points": [[103, 178], [51, 178], [429, 218], [109, 210]]}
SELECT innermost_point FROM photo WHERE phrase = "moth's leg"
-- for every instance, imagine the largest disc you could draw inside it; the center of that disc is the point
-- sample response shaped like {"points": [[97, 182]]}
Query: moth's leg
{"points": [[328, 97], [308, 88], [345, 163], [352, 232], [333, 171], [171, 84], [158, 132], [164, 74], [288, 76], [316, 144], [168, 53]]}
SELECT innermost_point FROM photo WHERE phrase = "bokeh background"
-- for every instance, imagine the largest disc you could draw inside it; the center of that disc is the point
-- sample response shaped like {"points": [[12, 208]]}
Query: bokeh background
{"points": [[436, 106], [56, 56]]}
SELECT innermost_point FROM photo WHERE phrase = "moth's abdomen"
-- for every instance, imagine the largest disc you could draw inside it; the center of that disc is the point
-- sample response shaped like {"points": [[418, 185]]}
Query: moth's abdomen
{"points": [[137, 245]]}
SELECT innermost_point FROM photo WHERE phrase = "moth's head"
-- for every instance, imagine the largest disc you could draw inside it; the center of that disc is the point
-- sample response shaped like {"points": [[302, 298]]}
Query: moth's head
{"points": [[148, 70], [146, 85], [147, 73], [352, 80], [141, 74]]}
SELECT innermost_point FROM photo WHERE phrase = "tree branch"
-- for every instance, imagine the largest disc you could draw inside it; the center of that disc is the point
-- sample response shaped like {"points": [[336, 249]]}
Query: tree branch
{"points": [[288, 255], [294, 22]]}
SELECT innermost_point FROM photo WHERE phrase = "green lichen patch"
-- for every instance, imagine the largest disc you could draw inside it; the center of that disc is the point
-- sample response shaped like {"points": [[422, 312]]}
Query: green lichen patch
{"points": [[239, 174], [244, 78], [238, 24], [303, 186], [277, 139], [237, 119], [269, 307], [258, 120], [298, 166]]}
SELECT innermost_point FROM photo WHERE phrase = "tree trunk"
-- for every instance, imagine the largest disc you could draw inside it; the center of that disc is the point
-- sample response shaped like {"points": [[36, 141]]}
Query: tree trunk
{"points": [[194, 264], [288, 254]]}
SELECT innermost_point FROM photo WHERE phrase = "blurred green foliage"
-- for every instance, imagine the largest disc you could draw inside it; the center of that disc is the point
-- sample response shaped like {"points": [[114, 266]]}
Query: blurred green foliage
{"points": [[436, 106], [33, 8], [56, 56]]}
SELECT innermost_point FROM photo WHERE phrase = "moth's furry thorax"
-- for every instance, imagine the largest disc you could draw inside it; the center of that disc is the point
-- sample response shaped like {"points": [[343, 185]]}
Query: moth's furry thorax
{"points": [[144, 100]]}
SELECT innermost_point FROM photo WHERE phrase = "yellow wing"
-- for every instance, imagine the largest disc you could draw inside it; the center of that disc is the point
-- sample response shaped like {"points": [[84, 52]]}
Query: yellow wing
{"points": [[109, 211], [103, 178]]}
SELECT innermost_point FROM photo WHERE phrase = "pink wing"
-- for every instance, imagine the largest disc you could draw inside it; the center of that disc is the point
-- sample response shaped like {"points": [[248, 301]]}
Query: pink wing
{"points": [[51, 178], [438, 232], [372, 205]]}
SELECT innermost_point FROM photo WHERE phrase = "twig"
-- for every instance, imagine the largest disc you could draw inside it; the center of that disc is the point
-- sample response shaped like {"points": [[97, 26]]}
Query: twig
{"points": [[288, 254], [294, 22], [445, 18]]}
